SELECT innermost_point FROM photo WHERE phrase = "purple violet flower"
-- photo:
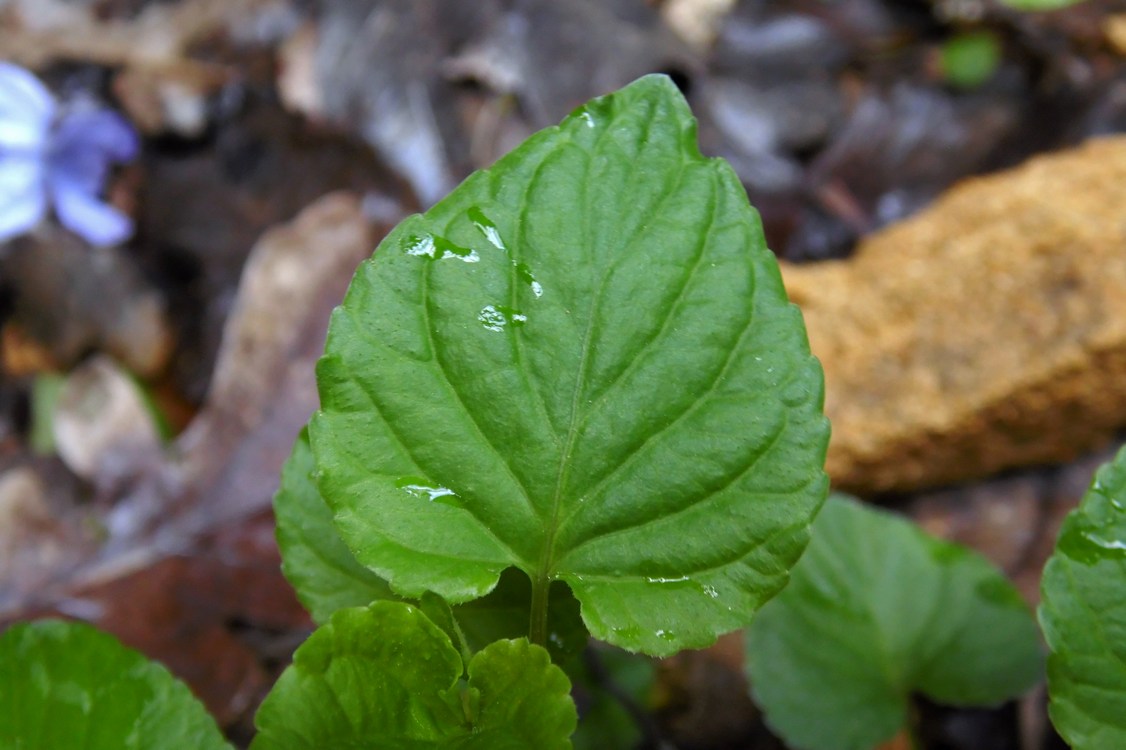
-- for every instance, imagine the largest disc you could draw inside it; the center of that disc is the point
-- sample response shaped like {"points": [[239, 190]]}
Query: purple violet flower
{"points": [[58, 154]]}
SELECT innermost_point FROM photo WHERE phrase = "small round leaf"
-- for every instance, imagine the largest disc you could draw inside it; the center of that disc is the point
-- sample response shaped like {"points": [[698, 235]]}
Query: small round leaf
{"points": [[386, 676], [877, 610]]}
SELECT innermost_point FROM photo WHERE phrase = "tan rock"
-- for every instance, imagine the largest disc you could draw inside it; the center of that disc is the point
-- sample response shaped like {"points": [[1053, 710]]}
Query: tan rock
{"points": [[985, 333]]}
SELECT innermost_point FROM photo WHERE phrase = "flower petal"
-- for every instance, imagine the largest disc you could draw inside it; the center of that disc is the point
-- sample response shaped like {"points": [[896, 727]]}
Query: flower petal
{"points": [[22, 198], [80, 211], [26, 109], [91, 127], [84, 144]]}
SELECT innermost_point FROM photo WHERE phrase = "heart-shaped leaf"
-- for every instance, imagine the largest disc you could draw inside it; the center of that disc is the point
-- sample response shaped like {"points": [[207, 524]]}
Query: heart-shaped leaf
{"points": [[1083, 613], [385, 676], [875, 611], [581, 364], [68, 685]]}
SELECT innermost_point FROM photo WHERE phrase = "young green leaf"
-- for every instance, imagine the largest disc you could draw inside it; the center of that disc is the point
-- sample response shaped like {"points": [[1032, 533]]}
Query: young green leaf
{"points": [[68, 685], [327, 577], [1083, 613], [581, 364], [386, 676], [877, 610]]}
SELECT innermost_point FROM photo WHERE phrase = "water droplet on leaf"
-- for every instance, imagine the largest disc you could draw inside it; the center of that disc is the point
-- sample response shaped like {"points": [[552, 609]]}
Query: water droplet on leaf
{"points": [[498, 317], [525, 274], [1113, 545], [486, 227], [422, 487], [437, 248]]}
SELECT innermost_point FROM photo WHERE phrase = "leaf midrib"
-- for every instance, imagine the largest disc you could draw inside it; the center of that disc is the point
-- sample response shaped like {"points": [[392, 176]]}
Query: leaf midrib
{"points": [[563, 470], [544, 574]]}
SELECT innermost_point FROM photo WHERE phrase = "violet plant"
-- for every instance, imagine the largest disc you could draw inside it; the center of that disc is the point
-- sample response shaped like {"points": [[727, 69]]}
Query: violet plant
{"points": [[570, 400], [58, 154]]}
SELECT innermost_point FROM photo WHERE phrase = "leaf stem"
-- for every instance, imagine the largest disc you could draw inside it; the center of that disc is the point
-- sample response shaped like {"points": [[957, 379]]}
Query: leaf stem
{"points": [[537, 627]]}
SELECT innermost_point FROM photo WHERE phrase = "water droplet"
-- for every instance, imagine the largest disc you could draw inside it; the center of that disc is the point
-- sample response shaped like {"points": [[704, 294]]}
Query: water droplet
{"points": [[1114, 545], [710, 591], [667, 580], [525, 274], [665, 635], [416, 245], [437, 248], [421, 487], [486, 227], [497, 317]]}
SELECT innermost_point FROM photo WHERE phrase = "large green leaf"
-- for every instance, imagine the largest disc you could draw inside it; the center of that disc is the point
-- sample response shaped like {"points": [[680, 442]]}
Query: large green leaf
{"points": [[581, 364], [387, 677], [877, 610], [1083, 612], [68, 685], [327, 577]]}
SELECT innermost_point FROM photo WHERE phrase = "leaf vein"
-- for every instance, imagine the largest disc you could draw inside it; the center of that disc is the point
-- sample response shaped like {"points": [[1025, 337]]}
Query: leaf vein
{"points": [[670, 309], [461, 400], [689, 409], [410, 454], [692, 504]]}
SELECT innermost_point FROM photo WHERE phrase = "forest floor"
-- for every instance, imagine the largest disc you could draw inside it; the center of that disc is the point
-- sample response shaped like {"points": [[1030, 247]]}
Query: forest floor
{"points": [[150, 391]]}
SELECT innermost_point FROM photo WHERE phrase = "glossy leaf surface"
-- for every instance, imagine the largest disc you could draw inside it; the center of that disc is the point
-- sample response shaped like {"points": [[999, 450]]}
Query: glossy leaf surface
{"points": [[387, 677], [581, 364], [68, 685], [877, 610], [1083, 613]]}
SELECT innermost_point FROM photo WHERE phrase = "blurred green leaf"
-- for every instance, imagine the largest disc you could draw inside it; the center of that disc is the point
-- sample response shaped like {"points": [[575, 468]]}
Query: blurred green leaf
{"points": [[605, 721], [969, 60], [875, 611], [45, 390], [67, 685], [1040, 5]]}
